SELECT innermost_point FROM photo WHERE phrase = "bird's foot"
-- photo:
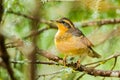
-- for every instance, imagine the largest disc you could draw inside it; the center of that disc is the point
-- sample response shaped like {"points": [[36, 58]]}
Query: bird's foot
{"points": [[65, 60], [77, 64]]}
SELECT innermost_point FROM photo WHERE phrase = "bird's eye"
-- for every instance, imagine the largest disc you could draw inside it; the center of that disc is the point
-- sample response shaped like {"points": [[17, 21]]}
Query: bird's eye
{"points": [[62, 22], [66, 24]]}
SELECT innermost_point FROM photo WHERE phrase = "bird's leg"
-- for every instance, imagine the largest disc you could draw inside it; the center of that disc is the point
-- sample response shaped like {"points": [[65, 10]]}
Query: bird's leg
{"points": [[78, 64], [81, 58], [65, 60], [76, 60]]}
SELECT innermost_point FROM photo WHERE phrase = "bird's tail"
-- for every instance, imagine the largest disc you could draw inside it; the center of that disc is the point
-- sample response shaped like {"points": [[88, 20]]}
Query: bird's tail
{"points": [[93, 54]]}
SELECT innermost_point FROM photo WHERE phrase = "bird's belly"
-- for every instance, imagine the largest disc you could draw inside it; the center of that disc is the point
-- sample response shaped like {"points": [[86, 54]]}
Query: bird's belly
{"points": [[70, 45], [71, 48]]}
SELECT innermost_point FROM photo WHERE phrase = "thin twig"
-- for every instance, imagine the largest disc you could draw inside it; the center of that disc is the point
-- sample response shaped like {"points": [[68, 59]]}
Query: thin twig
{"points": [[21, 14], [38, 32], [114, 63], [49, 74], [102, 61], [81, 76], [35, 62]]}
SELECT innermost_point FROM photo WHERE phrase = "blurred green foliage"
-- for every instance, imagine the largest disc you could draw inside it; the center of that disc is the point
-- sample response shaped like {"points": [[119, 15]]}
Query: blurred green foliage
{"points": [[77, 11]]}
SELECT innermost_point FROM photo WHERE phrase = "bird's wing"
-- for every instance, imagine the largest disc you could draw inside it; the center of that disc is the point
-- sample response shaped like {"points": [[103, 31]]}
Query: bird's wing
{"points": [[76, 32], [86, 41]]}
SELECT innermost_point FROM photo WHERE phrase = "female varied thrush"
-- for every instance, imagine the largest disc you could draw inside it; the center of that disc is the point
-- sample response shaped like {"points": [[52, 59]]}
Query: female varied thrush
{"points": [[71, 41]]}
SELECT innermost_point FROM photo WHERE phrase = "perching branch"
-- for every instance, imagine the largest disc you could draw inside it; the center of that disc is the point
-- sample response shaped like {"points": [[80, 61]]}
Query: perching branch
{"points": [[81, 68]]}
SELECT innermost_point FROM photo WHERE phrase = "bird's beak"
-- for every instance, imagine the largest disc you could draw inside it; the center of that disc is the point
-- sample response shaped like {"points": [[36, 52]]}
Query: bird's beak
{"points": [[55, 21], [52, 20]]}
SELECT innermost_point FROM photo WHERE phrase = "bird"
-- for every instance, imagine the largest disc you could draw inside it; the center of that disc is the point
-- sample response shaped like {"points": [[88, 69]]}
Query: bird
{"points": [[70, 41]]}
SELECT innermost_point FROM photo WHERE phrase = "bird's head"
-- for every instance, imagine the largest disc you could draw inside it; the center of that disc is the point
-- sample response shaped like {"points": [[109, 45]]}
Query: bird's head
{"points": [[64, 24]]}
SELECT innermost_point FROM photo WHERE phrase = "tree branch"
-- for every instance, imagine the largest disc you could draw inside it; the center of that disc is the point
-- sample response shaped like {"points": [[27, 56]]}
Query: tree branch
{"points": [[34, 27], [89, 70], [3, 52], [5, 57], [101, 22], [82, 68], [83, 24]]}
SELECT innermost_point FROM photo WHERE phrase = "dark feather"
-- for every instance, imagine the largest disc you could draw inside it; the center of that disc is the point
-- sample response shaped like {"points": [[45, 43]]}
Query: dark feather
{"points": [[75, 32]]}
